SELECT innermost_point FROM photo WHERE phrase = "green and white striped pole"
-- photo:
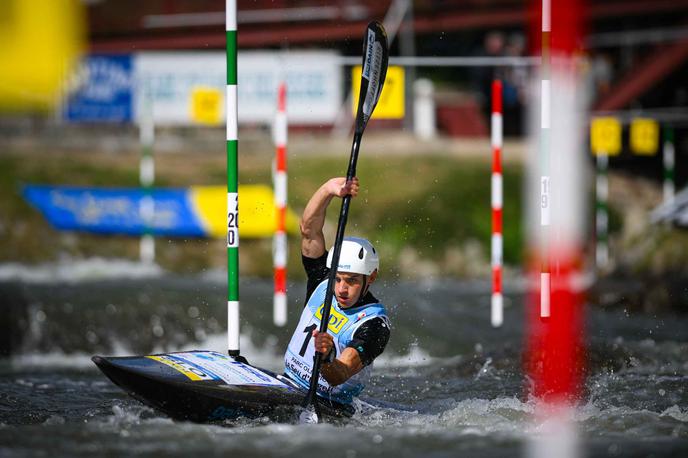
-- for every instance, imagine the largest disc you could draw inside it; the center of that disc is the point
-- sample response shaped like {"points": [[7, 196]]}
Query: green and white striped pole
{"points": [[669, 159], [602, 211], [146, 178], [232, 183]]}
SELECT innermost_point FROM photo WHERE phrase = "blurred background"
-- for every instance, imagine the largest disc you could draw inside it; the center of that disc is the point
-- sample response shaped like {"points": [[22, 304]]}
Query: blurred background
{"points": [[94, 92], [163, 54]]}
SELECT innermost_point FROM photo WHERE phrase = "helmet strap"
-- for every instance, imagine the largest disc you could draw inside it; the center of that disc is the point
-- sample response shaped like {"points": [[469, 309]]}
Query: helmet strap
{"points": [[364, 290]]}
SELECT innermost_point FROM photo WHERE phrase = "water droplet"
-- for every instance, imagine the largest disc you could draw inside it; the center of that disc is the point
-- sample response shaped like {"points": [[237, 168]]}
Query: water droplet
{"points": [[92, 337], [158, 331]]}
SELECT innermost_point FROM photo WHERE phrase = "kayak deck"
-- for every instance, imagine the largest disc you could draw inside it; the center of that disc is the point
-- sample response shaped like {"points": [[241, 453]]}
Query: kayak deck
{"points": [[205, 386]]}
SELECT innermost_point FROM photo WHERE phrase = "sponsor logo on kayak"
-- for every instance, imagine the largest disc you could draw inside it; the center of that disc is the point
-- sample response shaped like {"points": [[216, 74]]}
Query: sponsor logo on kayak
{"points": [[337, 320], [192, 372]]}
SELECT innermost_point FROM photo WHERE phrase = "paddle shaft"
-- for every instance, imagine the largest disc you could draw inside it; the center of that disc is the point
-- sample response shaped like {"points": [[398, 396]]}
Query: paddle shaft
{"points": [[374, 70], [341, 226]]}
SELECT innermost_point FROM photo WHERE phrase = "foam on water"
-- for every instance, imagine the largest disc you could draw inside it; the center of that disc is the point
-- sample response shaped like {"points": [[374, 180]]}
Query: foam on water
{"points": [[481, 416], [267, 356], [79, 270]]}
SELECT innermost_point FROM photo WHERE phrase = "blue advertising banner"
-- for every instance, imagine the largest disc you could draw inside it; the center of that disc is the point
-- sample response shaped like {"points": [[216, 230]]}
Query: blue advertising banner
{"points": [[115, 210], [105, 92]]}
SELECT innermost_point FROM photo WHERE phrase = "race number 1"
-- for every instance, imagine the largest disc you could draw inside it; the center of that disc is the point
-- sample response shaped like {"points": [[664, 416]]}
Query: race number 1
{"points": [[232, 219]]}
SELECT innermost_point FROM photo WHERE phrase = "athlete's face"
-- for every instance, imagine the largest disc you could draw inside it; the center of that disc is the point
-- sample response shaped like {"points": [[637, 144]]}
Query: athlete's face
{"points": [[348, 288]]}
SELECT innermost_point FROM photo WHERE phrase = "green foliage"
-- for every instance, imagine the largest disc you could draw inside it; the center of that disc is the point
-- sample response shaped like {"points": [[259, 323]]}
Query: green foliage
{"points": [[429, 202]]}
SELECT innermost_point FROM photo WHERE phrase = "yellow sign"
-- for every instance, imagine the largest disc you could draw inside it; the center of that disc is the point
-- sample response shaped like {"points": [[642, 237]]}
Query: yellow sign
{"points": [[41, 44], [644, 136], [337, 320], [391, 103], [605, 136], [257, 213], [206, 105]]}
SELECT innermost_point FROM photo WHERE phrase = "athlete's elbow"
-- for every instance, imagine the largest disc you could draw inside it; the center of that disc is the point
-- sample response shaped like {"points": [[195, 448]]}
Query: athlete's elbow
{"points": [[309, 229], [305, 228]]}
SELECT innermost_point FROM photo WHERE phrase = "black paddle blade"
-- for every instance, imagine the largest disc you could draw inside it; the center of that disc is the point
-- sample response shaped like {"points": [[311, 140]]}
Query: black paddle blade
{"points": [[375, 61]]}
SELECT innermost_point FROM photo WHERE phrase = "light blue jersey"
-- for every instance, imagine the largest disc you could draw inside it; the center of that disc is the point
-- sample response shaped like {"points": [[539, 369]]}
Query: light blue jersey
{"points": [[344, 323]]}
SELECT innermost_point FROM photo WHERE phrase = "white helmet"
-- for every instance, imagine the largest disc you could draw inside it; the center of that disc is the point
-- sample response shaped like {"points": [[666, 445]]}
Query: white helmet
{"points": [[357, 256]]}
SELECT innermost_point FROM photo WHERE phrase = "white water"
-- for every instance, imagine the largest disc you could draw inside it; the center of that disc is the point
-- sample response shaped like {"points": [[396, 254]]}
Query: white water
{"points": [[79, 270]]}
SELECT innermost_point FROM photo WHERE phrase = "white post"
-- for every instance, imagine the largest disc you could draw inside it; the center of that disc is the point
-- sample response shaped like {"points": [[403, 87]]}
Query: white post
{"points": [[424, 125]]}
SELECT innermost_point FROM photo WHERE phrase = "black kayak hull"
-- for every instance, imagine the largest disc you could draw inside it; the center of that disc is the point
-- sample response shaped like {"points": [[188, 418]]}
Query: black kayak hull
{"points": [[184, 387]]}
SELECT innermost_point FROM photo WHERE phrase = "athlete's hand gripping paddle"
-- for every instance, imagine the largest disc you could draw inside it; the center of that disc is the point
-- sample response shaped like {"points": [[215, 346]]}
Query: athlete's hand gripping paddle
{"points": [[375, 59]]}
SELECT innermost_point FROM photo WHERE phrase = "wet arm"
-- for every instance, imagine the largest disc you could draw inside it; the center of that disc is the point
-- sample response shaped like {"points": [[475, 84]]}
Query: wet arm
{"points": [[343, 368], [313, 218]]}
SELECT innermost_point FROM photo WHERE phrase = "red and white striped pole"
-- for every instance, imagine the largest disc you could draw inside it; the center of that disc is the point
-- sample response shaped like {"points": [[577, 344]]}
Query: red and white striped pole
{"points": [[497, 240], [544, 161], [554, 354], [279, 314]]}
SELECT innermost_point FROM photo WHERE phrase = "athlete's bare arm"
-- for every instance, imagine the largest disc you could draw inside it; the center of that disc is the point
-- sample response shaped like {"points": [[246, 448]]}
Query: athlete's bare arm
{"points": [[313, 218], [342, 368]]}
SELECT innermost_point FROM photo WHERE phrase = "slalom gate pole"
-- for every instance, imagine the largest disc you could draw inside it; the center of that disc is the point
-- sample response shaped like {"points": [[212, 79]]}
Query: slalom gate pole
{"points": [[146, 178], [545, 115], [232, 183], [279, 312], [497, 306], [601, 211], [554, 356], [669, 159]]}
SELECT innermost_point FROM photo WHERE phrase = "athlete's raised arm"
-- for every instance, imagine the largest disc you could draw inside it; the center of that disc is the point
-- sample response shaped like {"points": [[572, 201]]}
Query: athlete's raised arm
{"points": [[313, 218]]}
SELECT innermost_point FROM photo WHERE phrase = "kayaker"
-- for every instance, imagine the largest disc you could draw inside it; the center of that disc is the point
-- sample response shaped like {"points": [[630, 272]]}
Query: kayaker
{"points": [[359, 328]]}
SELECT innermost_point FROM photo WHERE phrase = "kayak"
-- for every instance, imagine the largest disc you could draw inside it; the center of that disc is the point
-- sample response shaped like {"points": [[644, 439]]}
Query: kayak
{"points": [[207, 387]]}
